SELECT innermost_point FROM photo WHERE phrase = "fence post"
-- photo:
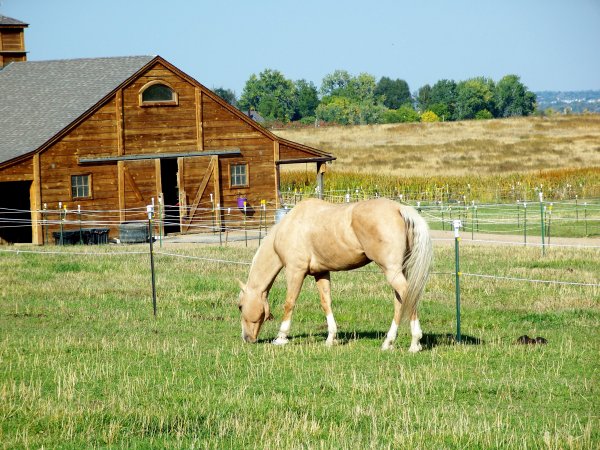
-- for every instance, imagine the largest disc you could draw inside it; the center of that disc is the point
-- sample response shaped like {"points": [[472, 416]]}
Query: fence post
{"points": [[160, 219], [549, 217], [245, 226], [542, 223], [263, 209], [62, 219], [150, 211], [45, 222], [457, 224], [80, 231], [585, 217], [525, 223], [218, 211]]}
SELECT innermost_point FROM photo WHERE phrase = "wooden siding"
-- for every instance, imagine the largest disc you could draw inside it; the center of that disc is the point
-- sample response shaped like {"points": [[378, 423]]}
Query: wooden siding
{"points": [[287, 152], [12, 40], [20, 171], [160, 129]]}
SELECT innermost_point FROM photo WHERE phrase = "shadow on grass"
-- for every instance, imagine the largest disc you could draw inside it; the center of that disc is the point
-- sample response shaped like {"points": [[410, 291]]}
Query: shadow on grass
{"points": [[428, 341]]}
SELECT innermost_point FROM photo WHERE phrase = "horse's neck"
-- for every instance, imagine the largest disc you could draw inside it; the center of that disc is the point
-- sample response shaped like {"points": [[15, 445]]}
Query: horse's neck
{"points": [[265, 265]]}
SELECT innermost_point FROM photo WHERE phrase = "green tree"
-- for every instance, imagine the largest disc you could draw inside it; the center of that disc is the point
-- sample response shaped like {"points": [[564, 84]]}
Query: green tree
{"points": [[424, 98], [395, 93], [472, 96], [362, 88], [512, 98], [349, 99], [226, 94], [271, 94], [346, 111], [336, 84], [307, 99], [443, 99]]}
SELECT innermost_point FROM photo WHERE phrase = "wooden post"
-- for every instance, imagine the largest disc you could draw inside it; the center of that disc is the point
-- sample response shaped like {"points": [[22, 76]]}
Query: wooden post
{"points": [[182, 195], [321, 168], [121, 182], [35, 194], [119, 121], [217, 190], [199, 120], [276, 169]]}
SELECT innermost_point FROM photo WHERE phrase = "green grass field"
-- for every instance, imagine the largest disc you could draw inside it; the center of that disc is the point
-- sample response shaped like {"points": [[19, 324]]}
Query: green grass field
{"points": [[565, 219], [86, 365]]}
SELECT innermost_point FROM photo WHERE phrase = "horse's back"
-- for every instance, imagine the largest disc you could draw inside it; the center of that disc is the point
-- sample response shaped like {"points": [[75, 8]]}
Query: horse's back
{"points": [[342, 236]]}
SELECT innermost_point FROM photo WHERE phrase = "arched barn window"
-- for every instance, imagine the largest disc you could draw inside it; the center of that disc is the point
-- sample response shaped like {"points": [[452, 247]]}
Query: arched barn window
{"points": [[158, 93]]}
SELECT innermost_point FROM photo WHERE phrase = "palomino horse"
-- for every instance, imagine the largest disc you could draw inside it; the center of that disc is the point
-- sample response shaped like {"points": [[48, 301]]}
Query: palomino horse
{"points": [[316, 238]]}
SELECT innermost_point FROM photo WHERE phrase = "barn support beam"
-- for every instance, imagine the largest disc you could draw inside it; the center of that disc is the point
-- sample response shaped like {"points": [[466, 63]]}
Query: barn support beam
{"points": [[321, 168], [121, 183], [276, 168], [217, 189], [35, 194]]}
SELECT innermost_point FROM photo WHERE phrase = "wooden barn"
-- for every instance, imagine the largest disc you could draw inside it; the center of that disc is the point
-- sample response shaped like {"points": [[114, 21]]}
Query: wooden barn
{"points": [[111, 134]]}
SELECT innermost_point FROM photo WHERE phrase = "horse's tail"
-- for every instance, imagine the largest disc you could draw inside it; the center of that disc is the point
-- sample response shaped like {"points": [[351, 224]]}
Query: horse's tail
{"points": [[417, 259]]}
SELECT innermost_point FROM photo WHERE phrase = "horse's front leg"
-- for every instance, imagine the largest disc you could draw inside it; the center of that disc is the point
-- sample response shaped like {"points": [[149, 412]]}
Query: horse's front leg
{"points": [[294, 284], [324, 284]]}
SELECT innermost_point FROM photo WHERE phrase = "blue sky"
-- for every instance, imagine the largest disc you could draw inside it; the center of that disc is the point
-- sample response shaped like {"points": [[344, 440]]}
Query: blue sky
{"points": [[550, 44]]}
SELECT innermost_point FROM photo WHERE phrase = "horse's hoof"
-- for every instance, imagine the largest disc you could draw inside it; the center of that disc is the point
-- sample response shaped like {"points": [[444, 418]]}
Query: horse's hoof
{"points": [[415, 348], [331, 342], [280, 341], [386, 346]]}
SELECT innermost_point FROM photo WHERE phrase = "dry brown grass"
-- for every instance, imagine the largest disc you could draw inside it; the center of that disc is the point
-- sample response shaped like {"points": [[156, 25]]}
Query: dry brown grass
{"points": [[488, 147]]}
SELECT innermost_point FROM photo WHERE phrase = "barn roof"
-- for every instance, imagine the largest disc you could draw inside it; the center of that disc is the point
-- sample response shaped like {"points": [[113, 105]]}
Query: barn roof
{"points": [[4, 20], [41, 98]]}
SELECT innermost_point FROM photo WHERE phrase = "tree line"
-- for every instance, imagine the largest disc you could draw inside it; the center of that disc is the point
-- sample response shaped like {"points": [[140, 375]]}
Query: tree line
{"points": [[348, 99]]}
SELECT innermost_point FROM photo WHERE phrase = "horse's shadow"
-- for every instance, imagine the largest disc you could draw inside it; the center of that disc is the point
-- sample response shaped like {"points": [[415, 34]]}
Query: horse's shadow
{"points": [[428, 341]]}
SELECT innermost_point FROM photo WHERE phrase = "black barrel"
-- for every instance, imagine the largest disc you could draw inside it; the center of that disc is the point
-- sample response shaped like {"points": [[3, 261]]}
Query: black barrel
{"points": [[133, 232]]}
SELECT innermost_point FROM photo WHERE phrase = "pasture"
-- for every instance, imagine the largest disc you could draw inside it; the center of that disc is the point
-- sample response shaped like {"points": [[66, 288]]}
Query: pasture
{"points": [[489, 147], [85, 364]]}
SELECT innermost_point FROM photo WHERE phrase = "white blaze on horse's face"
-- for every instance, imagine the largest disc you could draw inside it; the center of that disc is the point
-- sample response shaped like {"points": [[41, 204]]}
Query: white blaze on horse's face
{"points": [[255, 310]]}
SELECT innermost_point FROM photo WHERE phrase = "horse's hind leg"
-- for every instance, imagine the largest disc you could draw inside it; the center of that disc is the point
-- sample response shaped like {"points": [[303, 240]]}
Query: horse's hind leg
{"points": [[388, 343], [324, 284], [416, 333], [400, 285]]}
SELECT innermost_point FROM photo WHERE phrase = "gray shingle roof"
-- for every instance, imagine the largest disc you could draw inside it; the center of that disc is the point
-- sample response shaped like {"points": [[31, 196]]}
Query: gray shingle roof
{"points": [[10, 21], [40, 98]]}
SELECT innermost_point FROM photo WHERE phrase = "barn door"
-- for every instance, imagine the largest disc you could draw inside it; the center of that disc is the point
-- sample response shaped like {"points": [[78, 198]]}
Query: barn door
{"points": [[137, 186], [200, 178]]}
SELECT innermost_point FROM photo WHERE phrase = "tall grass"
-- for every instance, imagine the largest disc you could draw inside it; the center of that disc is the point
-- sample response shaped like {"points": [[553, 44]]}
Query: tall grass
{"points": [[85, 364], [559, 184]]}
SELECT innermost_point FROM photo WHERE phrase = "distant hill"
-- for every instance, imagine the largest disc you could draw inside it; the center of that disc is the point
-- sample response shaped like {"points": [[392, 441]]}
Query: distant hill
{"points": [[576, 101]]}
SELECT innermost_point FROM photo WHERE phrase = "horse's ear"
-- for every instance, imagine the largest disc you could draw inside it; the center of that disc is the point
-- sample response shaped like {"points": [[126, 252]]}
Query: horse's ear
{"points": [[242, 285]]}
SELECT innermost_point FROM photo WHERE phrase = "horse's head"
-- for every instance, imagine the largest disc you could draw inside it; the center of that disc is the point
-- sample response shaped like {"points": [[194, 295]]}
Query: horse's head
{"points": [[255, 310]]}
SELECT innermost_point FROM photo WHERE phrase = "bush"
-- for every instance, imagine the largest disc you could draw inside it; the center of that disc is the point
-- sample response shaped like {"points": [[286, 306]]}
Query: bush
{"points": [[401, 115], [483, 115], [429, 116]]}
